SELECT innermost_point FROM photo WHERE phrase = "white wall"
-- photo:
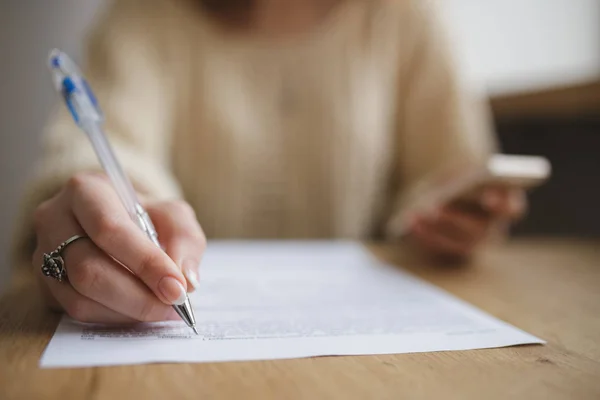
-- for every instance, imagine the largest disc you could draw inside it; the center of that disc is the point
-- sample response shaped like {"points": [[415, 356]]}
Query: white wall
{"points": [[511, 45], [521, 45]]}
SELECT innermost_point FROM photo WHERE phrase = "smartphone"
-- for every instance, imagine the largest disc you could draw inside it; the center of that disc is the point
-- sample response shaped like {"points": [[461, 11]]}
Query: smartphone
{"points": [[526, 172]]}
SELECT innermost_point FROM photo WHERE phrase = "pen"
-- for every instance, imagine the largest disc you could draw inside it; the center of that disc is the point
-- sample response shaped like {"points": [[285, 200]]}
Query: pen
{"points": [[84, 108]]}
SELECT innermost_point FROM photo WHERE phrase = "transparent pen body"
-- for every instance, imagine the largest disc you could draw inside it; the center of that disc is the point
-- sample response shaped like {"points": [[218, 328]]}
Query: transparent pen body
{"points": [[82, 104], [118, 178]]}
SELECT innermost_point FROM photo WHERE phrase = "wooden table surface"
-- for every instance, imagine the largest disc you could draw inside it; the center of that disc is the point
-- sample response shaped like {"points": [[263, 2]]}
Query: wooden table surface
{"points": [[549, 288]]}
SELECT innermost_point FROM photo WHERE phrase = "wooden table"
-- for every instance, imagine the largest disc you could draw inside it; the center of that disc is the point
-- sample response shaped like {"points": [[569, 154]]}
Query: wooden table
{"points": [[548, 288]]}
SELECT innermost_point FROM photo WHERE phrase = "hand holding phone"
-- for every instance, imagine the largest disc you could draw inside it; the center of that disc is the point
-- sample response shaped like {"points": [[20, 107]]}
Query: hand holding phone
{"points": [[465, 186]]}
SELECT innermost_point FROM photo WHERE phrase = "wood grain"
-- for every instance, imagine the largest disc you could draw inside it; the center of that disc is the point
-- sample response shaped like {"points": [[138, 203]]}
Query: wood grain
{"points": [[548, 288]]}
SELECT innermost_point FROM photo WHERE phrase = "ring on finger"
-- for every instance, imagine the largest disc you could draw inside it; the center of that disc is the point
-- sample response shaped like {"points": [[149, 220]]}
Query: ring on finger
{"points": [[53, 265]]}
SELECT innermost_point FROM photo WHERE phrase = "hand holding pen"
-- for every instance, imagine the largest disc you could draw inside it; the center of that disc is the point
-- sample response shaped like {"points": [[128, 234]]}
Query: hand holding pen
{"points": [[121, 274]]}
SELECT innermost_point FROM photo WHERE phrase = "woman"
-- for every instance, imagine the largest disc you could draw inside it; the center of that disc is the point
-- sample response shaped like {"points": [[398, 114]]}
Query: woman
{"points": [[272, 119]]}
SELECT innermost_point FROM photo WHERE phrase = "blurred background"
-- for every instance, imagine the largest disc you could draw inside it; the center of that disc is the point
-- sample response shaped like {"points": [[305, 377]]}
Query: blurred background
{"points": [[538, 60]]}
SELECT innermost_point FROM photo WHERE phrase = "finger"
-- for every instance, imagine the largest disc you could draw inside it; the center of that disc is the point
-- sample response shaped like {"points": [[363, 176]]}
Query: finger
{"points": [[100, 213], [100, 278], [95, 275], [469, 227], [493, 199], [517, 204], [429, 236], [82, 308], [504, 202], [76, 305], [181, 235]]}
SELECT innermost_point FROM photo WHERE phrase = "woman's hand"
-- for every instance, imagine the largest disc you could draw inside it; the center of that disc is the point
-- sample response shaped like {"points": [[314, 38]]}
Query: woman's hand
{"points": [[456, 230], [117, 275]]}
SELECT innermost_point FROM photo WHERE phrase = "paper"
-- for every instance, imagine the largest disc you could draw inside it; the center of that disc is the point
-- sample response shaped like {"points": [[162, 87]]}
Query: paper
{"points": [[274, 300]]}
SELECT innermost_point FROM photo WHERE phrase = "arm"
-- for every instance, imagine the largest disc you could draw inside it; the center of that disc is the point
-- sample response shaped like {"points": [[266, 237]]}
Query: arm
{"points": [[442, 127], [441, 122]]}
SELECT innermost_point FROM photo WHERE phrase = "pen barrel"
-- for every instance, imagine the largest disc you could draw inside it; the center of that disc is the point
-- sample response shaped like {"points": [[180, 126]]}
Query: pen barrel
{"points": [[115, 172], [145, 223]]}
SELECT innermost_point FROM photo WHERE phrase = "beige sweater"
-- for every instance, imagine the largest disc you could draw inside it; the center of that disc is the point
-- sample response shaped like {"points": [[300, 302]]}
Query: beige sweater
{"points": [[316, 136]]}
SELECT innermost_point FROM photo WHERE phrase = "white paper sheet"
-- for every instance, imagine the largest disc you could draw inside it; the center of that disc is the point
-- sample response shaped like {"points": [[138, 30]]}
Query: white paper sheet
{"points": [[274, 300]]}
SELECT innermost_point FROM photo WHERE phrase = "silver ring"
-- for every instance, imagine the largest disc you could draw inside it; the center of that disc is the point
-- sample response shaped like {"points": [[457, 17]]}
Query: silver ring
{"points": [[54, 264]]}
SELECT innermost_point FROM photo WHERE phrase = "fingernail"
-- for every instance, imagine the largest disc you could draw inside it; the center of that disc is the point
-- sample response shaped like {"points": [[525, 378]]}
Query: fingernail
{"points": [[189, 270], [172, 290]]}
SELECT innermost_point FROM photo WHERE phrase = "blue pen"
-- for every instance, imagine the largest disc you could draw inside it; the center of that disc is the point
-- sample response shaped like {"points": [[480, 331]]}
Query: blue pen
{"points": [[84, 108]]}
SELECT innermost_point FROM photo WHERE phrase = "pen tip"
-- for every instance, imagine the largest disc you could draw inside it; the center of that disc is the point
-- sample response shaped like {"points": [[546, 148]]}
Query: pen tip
{"points": [[195, 330]]}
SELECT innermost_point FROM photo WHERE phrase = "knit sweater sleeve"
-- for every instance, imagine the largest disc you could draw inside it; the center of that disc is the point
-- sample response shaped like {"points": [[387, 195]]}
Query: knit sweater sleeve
{"points": [[442, 124]]}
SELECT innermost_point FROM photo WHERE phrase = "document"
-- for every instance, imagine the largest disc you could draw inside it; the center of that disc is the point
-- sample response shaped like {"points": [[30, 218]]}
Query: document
{"points": [[276, 300]]}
